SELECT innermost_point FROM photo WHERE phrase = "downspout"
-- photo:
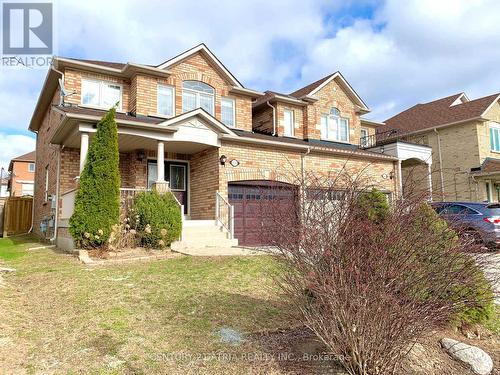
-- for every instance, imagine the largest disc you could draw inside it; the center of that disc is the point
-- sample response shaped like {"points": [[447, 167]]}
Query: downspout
{"points": [[56, 216], [440, 163], [274, 117], [33, 204], [303, 183]]}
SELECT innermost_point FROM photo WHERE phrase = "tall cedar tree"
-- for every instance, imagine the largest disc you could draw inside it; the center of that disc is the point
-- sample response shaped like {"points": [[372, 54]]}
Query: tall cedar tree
{"points": [[97, 203]]}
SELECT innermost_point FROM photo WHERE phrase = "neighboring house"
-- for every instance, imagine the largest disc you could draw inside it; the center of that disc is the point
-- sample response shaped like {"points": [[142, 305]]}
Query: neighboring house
{"points": [[4, 187], [189, 123], [464, 136], [22, 175]]}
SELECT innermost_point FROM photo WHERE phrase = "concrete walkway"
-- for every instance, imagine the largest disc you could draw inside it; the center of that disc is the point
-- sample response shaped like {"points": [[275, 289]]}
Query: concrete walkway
{"points": [[210, 251], [492, 272]]}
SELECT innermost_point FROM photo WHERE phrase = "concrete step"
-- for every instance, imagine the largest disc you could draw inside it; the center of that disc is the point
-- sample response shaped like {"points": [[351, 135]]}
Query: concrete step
{"points": [[198, 223], [200, 231], [201, 243]]}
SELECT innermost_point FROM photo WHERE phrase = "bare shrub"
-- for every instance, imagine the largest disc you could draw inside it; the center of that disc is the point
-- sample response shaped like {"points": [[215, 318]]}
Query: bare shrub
{"points": [[368, 288]]}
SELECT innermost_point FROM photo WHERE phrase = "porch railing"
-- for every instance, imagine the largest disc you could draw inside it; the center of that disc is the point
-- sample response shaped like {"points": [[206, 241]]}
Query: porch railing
{"points": [[390, 136], [224, 214]]}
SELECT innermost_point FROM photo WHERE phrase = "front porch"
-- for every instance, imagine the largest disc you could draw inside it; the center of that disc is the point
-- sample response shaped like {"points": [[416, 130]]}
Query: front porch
{"points": [[181, 157]]}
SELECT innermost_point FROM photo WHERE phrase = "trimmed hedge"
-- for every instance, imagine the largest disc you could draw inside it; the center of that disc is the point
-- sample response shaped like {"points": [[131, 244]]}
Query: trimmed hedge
{"points": [[374, 205], [159, 219], [97, 202]]}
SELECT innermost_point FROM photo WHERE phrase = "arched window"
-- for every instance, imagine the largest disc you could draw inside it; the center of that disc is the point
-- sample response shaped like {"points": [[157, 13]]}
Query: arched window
{"points": [[196, 94], [334, 127]]}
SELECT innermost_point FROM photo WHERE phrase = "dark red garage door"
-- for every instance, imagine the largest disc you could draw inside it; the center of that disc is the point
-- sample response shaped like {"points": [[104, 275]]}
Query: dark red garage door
{"points": [[251, 201]]}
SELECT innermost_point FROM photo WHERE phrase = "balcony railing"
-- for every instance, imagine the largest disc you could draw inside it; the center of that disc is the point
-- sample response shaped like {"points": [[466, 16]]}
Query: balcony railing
{"points": [[391, 136]]}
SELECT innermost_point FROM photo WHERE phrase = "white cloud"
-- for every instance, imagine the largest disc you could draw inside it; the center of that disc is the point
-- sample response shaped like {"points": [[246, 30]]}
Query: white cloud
{"points": [[410, 51], [14, 145], [415, 52]]}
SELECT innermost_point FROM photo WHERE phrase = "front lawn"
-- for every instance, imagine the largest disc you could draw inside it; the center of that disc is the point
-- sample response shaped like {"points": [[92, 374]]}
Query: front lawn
{"points": [[57, 315]]}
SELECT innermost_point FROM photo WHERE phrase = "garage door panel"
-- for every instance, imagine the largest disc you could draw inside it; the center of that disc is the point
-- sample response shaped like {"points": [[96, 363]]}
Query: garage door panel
{"points": [[255, 207]]}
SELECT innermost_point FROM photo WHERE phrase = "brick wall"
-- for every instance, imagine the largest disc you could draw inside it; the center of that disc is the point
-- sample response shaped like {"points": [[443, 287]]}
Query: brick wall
{"points": [[204, 179], [21, 175], [46, 158], [73, 82], [264, 163], [331, 95], [298, 119]]}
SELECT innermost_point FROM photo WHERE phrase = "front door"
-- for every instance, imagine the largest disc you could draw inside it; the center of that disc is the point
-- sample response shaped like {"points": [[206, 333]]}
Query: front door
{"points": [[176, 174]]}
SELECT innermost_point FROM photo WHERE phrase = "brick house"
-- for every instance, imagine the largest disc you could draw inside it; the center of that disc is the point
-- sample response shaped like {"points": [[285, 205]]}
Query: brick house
{"points": [[22, 175], [464, 136], [189, 123]]}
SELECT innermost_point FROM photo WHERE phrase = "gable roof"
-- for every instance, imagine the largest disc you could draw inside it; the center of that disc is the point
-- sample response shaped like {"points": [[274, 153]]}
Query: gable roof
{"points": [[30, 156], [440, 112], [205, 51], [313, 88]]}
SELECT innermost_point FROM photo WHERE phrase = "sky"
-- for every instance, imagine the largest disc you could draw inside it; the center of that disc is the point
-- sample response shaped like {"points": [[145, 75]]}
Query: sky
{"points": [[394, 53]]}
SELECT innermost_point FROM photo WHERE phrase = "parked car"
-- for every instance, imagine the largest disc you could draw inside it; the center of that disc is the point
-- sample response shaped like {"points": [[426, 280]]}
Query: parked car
{"points": [[480, 221]]}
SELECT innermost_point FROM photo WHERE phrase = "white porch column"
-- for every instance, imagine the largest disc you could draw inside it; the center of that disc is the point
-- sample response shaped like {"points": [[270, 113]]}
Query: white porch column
{"points": [[160, 161], [84, 148], [429, 179], [161, 186], [490, 190]]}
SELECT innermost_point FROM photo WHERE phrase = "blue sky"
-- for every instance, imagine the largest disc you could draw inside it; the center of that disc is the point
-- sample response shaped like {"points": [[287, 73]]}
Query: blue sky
{"points": [[394, 53]]}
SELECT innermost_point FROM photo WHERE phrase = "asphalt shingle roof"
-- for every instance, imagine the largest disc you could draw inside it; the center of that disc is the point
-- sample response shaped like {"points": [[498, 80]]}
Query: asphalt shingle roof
{"points": [[436, 113]]}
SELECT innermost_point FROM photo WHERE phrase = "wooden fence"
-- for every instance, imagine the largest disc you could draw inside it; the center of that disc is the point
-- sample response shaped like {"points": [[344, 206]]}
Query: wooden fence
{"points": [[17, 215]]}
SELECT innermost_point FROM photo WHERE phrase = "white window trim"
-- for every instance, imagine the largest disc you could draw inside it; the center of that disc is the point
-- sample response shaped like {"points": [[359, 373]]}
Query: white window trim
{"points": [[29, 167], [494, 125], [292, 116], [158, 102], [338, 132], [31, 191], [101, 83], [197, 95], [234, 110]]}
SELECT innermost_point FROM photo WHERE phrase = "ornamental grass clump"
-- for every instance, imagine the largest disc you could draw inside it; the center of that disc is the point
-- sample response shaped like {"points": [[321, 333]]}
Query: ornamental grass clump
{"points": [[370, 281], [159, 219]]}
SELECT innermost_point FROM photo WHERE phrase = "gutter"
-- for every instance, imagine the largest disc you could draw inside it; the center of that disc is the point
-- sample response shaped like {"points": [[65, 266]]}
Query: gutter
{"points": [[56, 216], [274, 118], [440, 163]]}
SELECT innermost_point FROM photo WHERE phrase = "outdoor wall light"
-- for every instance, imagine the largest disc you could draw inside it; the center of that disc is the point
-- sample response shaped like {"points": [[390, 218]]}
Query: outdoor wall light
{"points": [[223, 159], [141, 155]]}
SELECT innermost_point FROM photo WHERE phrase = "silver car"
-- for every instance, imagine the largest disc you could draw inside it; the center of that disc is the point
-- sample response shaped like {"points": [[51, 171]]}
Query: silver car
{"points": [[480, 221]]}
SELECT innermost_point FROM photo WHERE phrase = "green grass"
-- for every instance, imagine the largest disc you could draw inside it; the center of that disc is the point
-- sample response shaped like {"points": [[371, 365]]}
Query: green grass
{"points": [[493, 324], [59, 311]]}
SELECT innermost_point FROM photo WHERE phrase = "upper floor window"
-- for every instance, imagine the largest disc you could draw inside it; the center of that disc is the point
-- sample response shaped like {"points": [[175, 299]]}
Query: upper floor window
{"points": [[101, 94], [228, 115], [495, 137], [166, 100], [334, 127], [196, 94], [31, 167], [288, 123]]}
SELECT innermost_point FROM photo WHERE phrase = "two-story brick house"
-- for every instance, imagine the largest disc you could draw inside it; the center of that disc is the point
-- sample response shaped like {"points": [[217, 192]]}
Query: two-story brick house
{"points": [[22, 175], [464, 136], [189, 122]]}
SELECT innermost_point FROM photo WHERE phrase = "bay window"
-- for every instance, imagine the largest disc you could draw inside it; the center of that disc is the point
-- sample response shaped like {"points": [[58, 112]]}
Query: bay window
{"points": [[101, 94], [227, 112], [165, 100], [334, 127], [196, 94]]}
